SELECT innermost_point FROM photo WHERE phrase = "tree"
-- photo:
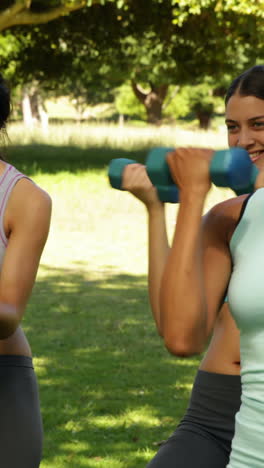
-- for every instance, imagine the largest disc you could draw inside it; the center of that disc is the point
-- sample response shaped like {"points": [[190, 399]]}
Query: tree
{"points": [[188, 40], [30, 12], [152, 43], [203, 102]]}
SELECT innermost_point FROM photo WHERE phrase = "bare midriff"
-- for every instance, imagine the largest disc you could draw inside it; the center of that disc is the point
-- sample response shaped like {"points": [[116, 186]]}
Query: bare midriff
{"points": [[223, 355], [16, 344]]}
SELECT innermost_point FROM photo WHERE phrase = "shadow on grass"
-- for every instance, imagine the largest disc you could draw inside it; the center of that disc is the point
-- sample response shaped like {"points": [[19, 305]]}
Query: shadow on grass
{"points": [[52, 159], [108, 387]]}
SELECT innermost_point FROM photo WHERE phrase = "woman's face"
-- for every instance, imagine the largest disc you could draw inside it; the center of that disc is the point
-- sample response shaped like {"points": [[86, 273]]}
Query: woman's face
{"points": [[245, 125]]}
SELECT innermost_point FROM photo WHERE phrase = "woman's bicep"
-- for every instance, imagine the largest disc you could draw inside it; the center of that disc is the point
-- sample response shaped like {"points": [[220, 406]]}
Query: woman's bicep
{"points": [[217, 265]]}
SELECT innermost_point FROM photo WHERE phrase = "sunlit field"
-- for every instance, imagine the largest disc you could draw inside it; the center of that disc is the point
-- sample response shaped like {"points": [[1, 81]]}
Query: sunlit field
{"points": [[110, 392], [116, 136]]}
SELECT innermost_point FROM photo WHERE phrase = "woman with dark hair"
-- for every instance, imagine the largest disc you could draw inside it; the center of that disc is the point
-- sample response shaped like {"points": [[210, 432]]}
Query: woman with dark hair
{"points": [[191, 307], [25, 211]]}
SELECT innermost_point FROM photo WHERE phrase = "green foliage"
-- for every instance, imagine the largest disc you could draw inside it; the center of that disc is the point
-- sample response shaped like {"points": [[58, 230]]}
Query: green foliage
{"points": [[9, 46], [127, 104], [201, 97], [245, 7], [176, 104], [196, 99], [75, 55], [106, 43], [182, 9]]}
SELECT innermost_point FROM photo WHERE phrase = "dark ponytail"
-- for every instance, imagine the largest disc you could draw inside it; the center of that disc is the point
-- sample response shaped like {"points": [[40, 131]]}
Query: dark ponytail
{"points": [[5, 109], [5, 104]]}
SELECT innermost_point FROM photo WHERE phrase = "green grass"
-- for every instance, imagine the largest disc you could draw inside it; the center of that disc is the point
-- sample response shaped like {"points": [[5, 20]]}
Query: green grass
{"points": [[109, 390]]}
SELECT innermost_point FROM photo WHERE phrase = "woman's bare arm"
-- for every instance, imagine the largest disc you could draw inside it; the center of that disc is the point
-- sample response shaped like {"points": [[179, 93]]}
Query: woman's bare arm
{"points": [[135, 180], [198, 266], [27, 221]]}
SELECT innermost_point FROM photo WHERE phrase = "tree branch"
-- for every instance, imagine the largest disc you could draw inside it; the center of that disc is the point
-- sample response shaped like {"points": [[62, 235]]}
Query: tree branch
{"points": [[138, 93], [14, 9], [20, 13]]}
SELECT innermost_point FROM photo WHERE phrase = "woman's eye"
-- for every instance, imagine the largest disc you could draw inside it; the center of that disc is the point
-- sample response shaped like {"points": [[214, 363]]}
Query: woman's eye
{"points": [[258, 124], [231, 128]]}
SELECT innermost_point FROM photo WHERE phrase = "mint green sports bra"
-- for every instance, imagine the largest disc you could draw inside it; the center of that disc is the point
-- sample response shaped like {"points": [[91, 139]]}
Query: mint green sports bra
{"points": [[246, 302]]}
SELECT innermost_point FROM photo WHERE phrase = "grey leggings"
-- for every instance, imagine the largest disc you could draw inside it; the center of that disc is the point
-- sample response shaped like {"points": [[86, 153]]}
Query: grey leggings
{"points": [[20, 419], [203, 437]]}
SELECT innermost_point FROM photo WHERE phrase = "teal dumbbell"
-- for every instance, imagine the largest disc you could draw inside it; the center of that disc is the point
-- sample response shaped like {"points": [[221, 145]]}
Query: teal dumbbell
{"points": [[231, 168], [167, 193]]}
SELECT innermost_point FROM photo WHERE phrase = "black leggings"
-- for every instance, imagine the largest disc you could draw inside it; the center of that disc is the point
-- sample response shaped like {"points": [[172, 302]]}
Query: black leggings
{"points": [[20, 420], [203, 437]]}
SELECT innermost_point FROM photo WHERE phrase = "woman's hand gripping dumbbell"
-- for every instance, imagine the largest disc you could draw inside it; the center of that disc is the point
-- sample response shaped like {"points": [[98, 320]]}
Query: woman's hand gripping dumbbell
{"points": [[136, 181], [117, 167]]}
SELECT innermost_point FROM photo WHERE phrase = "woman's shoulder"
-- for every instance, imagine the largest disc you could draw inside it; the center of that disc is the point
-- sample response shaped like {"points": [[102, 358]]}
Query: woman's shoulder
{"points": [[230, 207], [28, 192], [29, 203], [224, 216], [21, 187]]}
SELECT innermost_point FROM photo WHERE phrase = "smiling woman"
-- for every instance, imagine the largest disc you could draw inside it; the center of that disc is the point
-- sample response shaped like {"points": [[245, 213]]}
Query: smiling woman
{"points": [[204, 262], [245, 124], [188, 283], [245, 114]]}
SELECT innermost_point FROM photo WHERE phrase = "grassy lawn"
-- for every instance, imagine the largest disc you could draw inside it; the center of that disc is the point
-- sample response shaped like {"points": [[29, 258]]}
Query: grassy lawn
{"points": [[109, 390]]}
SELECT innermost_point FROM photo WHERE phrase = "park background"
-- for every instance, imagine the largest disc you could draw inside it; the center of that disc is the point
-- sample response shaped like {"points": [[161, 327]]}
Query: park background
{"points": [[92, 81]]}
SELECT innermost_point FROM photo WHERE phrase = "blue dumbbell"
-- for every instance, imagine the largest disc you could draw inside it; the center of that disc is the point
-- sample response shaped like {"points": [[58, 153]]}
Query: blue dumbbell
{"points": [[115, 174], [231, 168]]}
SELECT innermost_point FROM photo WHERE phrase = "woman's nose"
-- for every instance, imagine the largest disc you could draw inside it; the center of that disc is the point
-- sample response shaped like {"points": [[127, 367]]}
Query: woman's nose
{"points": [[245, 139]]}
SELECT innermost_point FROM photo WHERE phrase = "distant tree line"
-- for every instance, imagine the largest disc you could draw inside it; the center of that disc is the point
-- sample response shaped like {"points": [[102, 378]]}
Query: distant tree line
{"points": [[172, 56]]}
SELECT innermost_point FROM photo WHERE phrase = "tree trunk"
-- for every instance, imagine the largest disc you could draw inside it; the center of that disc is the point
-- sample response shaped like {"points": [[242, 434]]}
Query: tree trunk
{"points": [[153, 105], [26, 110], [121, 120], [204, 118], [33, 109], [44, 119], [34, 101], [152, 101]]}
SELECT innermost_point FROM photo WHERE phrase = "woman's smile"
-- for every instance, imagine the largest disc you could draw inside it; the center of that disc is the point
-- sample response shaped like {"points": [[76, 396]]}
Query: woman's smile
{"points": [[256, 155]]}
